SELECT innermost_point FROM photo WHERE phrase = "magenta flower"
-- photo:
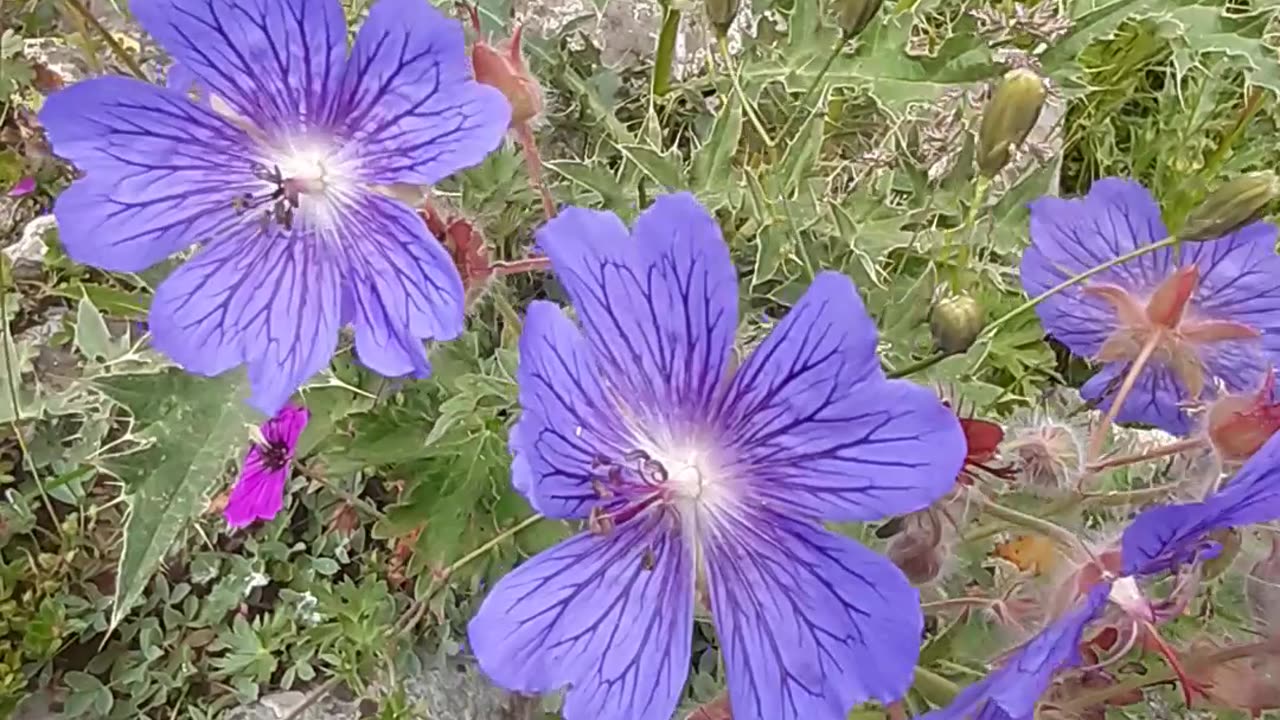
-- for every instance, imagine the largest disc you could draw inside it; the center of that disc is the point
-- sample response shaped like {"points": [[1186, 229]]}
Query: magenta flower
{"points": [[24, 186], [1211, 309], [283, 173], [692, 475], [259, 493]]}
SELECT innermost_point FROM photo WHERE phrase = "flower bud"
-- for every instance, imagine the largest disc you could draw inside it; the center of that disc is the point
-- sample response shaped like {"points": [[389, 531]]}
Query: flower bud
{"points": [[955, 321], [721, 14], [1235, 204], [853, 16], [503, 67], [1012, 111]]}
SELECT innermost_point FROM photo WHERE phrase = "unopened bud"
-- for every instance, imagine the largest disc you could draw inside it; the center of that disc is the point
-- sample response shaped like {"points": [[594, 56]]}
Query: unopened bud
{"points": [[721, 13], [955, 321], [853, 16], [503, 67], [1012, 111], [1235, 204]]}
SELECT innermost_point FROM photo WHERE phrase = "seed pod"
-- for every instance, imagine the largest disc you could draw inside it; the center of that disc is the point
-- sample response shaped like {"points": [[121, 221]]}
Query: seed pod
{"points": [[1011, 113], [853, 16], [1235, 204], [955, 321], [721, 14]]}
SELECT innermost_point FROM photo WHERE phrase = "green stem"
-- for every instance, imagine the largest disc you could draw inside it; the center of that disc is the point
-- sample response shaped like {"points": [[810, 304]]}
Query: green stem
{"points": [[936, 689], [1030, 304], [665, 55], [116, 48], [803, 105], [1111, 498], [747, 107], [918, 365], [1048, 528], [1251, 106]]}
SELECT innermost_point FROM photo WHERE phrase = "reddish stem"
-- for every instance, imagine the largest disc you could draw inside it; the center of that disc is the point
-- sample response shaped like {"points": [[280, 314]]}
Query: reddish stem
{"points": [[1163, 451], [533, 163], [515, 267], [1130, 379]]}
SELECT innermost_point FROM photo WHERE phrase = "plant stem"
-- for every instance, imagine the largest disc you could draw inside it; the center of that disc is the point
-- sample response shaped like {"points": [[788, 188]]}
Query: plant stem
{"points": [[665, 54], [1048, 528], [1166, 674], [443, 575], [935, 687], [515, 267], [803, 105], [1164, 451], [999, 322], [919, 365], [1130, 379], [348, 496], [116, 48], [533, 164], [1103, 499]]}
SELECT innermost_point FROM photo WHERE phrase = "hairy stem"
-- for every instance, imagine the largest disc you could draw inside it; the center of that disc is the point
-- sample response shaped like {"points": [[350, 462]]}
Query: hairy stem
{"points": [[1060, 535], [1126, 386], [533, 164], [1164, 451]]}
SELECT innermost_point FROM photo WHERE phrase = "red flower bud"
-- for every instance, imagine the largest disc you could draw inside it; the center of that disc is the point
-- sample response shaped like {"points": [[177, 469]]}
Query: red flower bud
{"points": [[503, 67], [1240, 424]]}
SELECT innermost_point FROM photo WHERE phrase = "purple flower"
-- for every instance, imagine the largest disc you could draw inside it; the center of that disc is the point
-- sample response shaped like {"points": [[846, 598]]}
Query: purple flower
{"points": [[284, 177], [259, 493], [24, 186], [1157, 540], [1215, 305], [695, 479]]}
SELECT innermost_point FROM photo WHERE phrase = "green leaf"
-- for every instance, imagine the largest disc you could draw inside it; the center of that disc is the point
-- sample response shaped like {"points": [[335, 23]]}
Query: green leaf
{"points": [[88, 696], [92, 336], [1200, 30], [1096, 23], [713, 161], [194, 432], [803, 154], [660, 168], [593, 178]]}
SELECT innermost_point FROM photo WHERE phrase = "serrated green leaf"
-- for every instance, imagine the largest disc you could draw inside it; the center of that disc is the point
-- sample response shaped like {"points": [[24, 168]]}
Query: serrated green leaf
{"points": [[169, 483], [712, 162], [801, 156], [1096, 20], [593, 178], [92, 336], [1200, 30], [660, 168]]}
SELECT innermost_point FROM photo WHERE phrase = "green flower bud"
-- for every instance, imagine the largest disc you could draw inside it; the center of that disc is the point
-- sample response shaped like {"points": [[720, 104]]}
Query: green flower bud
{"points": [[721, 14], [1011, 113], [1235, 204], [853, 16], [955, 321]]}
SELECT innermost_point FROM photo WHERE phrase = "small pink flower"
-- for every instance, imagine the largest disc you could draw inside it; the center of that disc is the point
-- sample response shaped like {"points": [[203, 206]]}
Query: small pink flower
{"points": [[259, 493], [25, 186]]}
